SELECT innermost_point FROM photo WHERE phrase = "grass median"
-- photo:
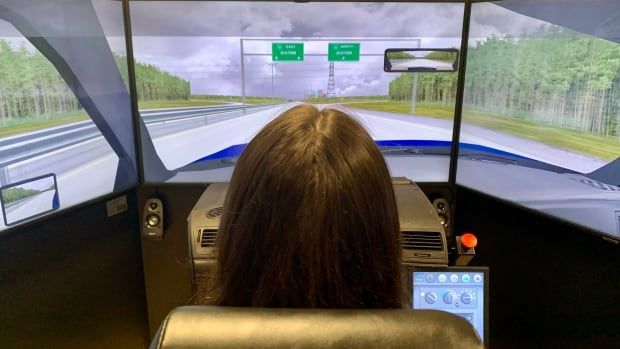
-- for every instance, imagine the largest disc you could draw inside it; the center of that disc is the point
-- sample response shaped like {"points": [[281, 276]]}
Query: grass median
{"points": [[237, 99], [602, 147], [36, 123]]}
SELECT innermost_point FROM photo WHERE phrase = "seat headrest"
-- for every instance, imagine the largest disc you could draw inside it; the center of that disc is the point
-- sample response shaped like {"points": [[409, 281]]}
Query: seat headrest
{"points": [[275, 328]]}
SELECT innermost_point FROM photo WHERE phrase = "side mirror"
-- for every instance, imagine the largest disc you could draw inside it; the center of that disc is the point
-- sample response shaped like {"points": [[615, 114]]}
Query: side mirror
{"points": [[421, 60], [29, 198]]}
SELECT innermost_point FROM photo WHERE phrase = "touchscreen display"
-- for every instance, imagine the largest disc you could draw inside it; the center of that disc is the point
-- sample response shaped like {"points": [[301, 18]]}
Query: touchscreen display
{"points": [[459, 292]]}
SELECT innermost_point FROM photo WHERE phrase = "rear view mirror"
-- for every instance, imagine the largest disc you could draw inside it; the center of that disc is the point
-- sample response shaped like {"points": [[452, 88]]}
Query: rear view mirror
{"points": [[421, 60], [29, 198]]}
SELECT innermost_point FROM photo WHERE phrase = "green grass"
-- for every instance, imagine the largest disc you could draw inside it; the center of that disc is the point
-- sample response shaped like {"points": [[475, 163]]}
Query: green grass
{"points": [[15, 194], [325, 100], [30, 124], [606, 148], [435, 111]]}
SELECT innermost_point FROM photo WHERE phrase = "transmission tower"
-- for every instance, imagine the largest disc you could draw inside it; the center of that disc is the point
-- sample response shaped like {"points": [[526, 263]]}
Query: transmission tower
{"points": [[331, 83]]}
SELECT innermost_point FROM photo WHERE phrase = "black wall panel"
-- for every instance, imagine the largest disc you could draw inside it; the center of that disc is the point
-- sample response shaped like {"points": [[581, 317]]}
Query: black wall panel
{"points": [[168, 270], [74, 281], [552, 285]]}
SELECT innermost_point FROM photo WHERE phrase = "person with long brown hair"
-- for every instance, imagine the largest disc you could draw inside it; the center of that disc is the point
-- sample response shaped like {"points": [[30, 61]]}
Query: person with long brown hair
{"points": [[310, 218]]}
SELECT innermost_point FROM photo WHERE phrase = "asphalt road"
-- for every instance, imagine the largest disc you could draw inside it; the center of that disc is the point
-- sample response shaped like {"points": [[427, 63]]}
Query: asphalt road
{"points": [[405, 64]]}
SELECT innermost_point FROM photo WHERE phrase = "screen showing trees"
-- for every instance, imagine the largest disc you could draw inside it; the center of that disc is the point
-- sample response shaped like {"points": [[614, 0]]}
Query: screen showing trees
{"points": [[546, 99]]}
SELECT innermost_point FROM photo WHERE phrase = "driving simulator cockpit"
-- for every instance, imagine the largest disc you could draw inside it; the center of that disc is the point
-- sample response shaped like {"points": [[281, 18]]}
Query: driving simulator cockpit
{"points": [[121, 123]]}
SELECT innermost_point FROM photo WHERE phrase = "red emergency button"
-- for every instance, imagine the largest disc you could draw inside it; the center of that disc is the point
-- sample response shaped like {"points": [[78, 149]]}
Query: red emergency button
{"points": [[469, 240]]}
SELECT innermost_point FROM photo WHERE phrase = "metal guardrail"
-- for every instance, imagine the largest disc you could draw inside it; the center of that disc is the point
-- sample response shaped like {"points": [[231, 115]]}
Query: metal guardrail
{"points": [[20, 148]]}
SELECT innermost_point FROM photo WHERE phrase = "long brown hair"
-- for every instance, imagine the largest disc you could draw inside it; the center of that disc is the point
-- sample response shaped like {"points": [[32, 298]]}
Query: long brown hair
{"points": [[310, 218]]}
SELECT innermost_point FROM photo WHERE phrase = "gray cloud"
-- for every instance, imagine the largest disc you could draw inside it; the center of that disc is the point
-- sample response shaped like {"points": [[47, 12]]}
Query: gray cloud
{"points": [[199, 41], [295, 19], [489, 19]]}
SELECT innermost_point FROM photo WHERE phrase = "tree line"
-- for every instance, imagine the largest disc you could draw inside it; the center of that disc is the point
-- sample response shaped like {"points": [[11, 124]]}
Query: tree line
{"points": [[31, 86], [155, 84], [555, 76], [437, 88]]}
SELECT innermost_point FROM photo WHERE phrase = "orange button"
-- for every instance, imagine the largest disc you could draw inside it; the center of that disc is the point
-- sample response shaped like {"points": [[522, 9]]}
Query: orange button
{"points": [[469, 240]]}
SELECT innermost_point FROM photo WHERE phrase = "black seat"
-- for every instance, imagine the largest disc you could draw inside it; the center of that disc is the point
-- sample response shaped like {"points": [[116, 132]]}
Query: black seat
{"points": [[209, 327]]}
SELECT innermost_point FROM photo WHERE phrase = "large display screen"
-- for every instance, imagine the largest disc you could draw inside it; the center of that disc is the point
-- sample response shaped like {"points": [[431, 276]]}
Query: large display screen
{"points": [[541, 118], [211, 74], [65, 116]]}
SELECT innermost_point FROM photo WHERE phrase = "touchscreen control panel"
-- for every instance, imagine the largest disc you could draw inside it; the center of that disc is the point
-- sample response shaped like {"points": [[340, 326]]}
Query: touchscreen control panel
{"points": [[461, 292]]}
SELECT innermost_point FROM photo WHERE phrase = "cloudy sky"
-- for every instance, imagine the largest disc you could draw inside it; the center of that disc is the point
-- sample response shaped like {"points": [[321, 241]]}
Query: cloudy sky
{"points": [[200, 41]]}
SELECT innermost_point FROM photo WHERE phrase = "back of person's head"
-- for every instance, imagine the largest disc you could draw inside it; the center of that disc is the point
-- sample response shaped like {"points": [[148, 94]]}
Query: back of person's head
{"points": [[310, 218]]}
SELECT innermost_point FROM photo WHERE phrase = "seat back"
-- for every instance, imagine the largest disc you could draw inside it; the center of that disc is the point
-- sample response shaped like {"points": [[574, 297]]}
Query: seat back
{"points": [[210, 327]]}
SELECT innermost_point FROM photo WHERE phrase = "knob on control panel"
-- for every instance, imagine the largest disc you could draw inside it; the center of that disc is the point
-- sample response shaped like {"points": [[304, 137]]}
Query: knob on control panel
{"points": [[449, 297], [430, 298], [466, 297]]}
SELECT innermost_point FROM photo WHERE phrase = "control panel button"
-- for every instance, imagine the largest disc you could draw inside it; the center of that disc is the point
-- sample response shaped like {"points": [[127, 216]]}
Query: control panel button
{"points": [[430, 298], [469, 240]]}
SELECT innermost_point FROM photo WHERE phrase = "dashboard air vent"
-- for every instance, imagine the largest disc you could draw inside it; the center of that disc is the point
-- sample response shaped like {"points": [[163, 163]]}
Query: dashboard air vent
{"points": [[593, 183], [207, 238], [421, 240]]}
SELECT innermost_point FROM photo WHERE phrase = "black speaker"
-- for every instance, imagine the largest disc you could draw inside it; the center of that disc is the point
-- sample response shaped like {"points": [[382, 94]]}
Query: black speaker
{"points": [[153, 219], [442, 206]]}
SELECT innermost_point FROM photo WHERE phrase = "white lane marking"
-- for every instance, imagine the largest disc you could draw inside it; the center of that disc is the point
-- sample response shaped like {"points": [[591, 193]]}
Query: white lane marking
{"points": [[57, 151], [382, 128]]}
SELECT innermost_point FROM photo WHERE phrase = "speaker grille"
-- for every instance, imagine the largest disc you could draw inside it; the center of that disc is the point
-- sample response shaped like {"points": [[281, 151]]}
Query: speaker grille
{"points": [[421, 240], [207, 238]]}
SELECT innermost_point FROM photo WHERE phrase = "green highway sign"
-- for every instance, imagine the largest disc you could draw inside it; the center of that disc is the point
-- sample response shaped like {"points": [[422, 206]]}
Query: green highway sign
{"points": [[287, 52], [343, 52]]}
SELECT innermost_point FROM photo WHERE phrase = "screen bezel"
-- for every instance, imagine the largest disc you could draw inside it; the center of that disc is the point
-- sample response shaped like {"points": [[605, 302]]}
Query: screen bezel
{"points": [[483, 270]]}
